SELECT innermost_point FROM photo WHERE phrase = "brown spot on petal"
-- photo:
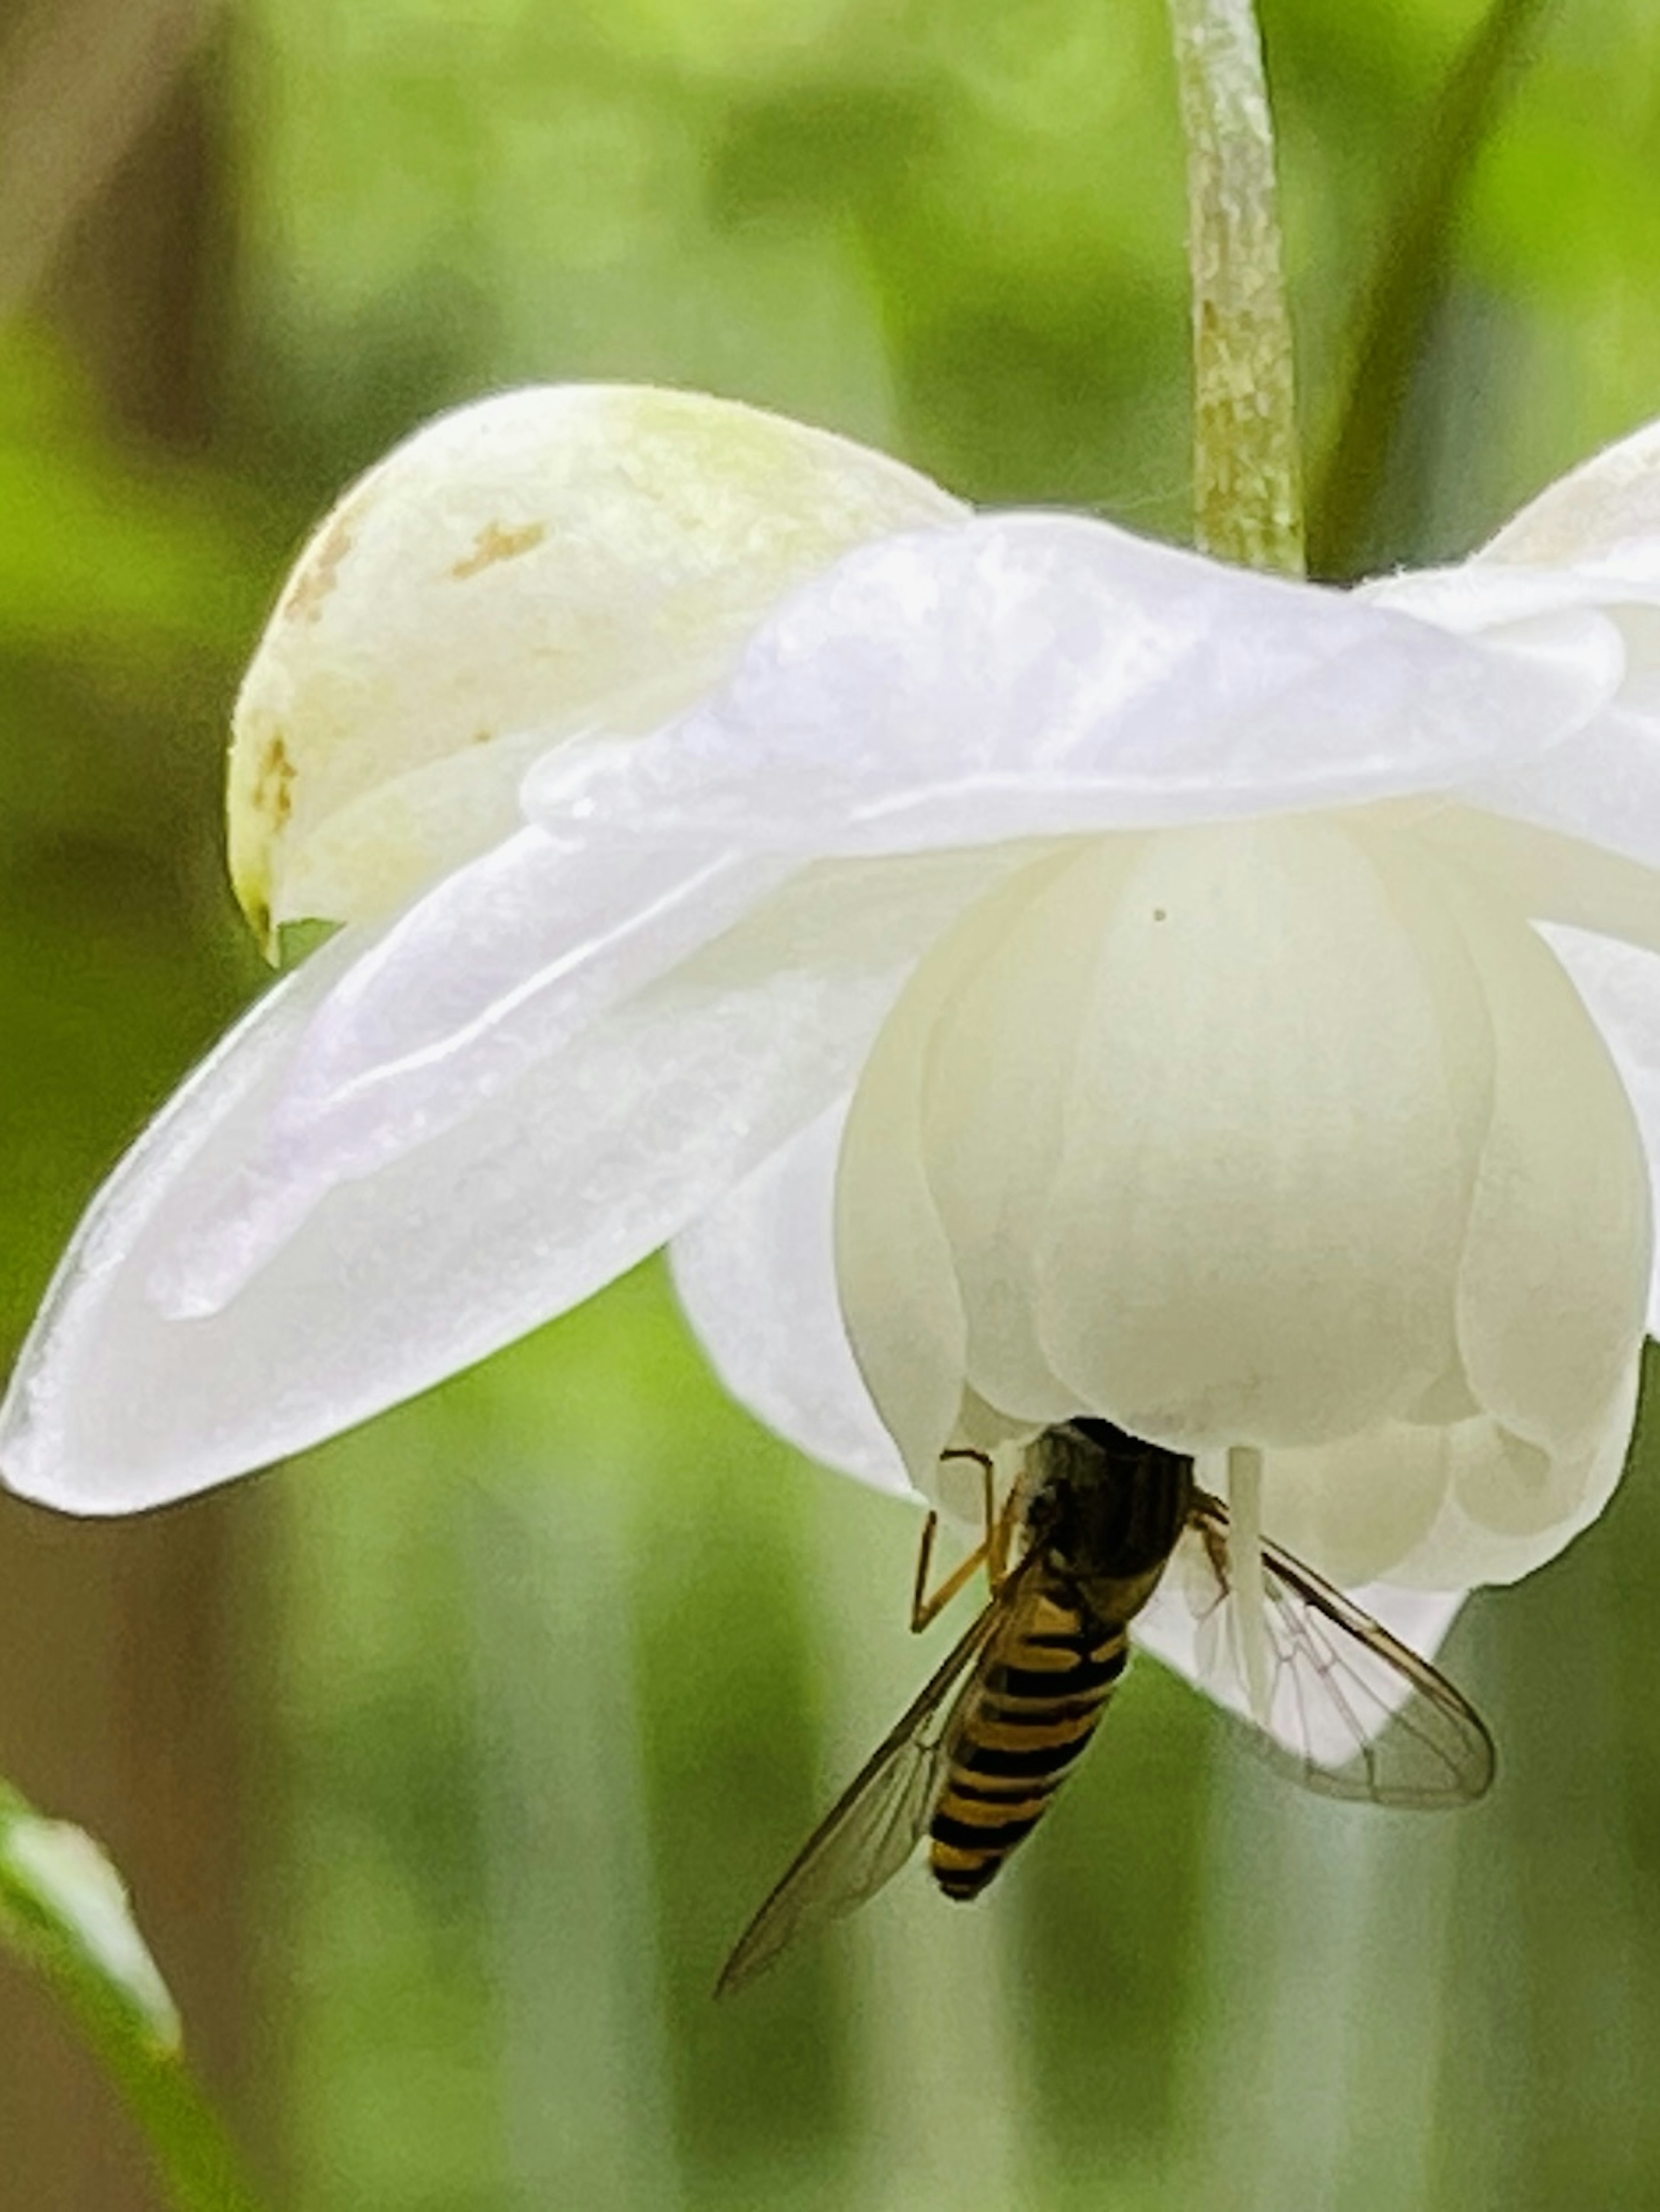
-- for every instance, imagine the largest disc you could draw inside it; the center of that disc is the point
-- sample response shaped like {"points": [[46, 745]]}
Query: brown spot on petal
{"points": [[484, 738], [315, 582], [273, 782], [496, 543]]}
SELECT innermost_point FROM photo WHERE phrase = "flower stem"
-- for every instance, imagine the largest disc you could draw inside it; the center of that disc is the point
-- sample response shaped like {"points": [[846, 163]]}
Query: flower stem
{"points": [[1247, 502]]}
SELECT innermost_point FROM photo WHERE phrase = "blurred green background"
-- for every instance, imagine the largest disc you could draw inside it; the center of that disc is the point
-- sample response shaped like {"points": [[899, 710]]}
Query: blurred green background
{"points": [[447, 1763]]}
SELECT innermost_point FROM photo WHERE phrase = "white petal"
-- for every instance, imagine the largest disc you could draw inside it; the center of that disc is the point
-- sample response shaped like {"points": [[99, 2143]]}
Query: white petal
{"points": [[894, 1262], [1254, 1233], [1621, 987], [395, 1282], [849, 933], [1441, 1506], [499, 966], [554, 559], [1506, 1509], [369, 853], [756, 1276], [996, 1085], [555, 1185], [1547, 876], [1605, 514], [1555, 1278], [1036, 674], [1601, 783], [1473, 598], [1353, 1510]]}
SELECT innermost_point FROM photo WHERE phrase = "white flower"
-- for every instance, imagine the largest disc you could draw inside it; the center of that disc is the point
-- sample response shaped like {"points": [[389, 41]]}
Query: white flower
{"points": [[1111, 981]]}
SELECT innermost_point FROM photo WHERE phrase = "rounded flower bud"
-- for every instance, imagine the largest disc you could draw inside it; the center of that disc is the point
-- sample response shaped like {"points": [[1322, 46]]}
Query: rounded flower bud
{"points": [[1284, 1133]]}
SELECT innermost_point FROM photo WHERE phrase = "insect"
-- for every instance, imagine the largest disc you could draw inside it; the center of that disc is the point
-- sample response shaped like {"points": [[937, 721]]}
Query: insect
{"points": [[1343, 1706]]}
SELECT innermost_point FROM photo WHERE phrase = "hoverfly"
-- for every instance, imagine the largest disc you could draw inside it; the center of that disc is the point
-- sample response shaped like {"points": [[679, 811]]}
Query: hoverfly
{"points": [[1345, 1708]]}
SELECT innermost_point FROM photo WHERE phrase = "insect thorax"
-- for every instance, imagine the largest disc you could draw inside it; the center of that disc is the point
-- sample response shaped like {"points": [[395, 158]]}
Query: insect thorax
{"points": [[1106, 1509]]}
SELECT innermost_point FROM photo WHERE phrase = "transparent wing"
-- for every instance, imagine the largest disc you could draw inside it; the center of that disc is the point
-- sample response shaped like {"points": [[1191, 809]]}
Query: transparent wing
{"points": [[874, 1825], [1345, 1708]]}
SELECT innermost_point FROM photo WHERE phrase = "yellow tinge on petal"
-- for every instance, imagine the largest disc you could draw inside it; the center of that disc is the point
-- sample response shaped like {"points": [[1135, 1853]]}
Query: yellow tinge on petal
{"points": [[556, 560]]}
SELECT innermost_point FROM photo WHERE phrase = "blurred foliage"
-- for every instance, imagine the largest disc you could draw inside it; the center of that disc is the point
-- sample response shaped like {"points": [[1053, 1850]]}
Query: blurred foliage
{"points": [[1395, 317], [569, 1652]]}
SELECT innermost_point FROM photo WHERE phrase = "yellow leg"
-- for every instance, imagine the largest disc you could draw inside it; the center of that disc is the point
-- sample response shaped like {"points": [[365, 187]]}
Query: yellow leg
{"points": [[926, 1605]]}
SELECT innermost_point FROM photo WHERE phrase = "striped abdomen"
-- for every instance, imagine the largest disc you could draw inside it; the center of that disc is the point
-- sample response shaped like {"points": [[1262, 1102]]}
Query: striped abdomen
{"points": [[1028, 1711]]}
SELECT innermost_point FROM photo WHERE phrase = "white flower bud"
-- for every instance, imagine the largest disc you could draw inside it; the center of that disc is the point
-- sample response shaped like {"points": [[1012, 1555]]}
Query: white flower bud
{"points": [[1284, 1134]]}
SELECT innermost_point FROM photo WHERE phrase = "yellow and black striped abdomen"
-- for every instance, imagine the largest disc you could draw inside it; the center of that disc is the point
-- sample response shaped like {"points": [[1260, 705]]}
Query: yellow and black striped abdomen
{"points": [[1028, 1711]]}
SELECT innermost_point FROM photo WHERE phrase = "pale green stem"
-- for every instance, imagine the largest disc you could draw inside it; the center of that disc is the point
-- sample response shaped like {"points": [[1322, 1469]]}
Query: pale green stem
{"points": [[1248, 499], [199, 2167]]}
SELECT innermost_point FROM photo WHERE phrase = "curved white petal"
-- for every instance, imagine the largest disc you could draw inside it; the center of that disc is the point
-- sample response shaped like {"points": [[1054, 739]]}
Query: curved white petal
{"points": [[842, 937], [395, 1281], [1547, 876], [895, 1267], [1602, 785], [997, 1091], [1441, 1505], [756, 1276], [554, 559], [1353, 1510], [1604, 515], [497, 967], [893, 1261], [1469, 597], [1254, 1228], [371, 853], [1620, 986], [556, 1184], [1507, 1508], [1555, 1279], [1045, 674], [1602, 782]]}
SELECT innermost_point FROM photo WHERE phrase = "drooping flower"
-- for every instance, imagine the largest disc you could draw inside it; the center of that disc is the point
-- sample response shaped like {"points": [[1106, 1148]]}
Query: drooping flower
{"points": [[1018, 968]]}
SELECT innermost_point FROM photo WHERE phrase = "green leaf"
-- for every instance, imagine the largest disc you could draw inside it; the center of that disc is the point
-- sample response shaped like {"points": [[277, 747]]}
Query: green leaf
{"points": [[1406, 290], [65, 1910]]}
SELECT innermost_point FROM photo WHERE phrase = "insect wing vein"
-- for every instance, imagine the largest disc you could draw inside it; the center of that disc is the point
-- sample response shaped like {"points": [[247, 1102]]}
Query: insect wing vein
{"points": [[1352, 1712]]}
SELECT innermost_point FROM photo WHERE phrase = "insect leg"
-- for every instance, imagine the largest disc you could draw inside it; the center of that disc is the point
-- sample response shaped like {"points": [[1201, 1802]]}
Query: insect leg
{"points": [[926, 1605]]}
